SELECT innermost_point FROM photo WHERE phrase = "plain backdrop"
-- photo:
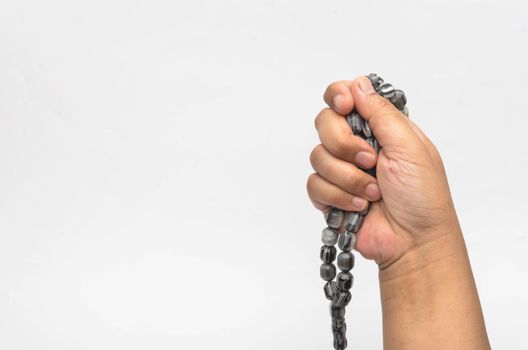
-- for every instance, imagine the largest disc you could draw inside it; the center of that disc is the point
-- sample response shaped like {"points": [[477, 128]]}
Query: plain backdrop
{"points": [[154, 158]]}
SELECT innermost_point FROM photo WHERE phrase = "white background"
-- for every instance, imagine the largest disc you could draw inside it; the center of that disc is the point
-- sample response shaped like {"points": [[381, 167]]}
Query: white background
{"points": [[154, 157]]}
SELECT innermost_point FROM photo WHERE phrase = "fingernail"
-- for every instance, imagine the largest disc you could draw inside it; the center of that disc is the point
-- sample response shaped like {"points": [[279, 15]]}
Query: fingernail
{"points": [[359, 203], [364, 159], [365, 86], [337, 100], [372, 191]]}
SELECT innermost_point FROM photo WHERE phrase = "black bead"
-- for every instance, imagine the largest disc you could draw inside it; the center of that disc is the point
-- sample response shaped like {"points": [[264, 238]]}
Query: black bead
{"points": [[328, 254], [327, 272], [344, 280], [330, 290], [345, 261]]}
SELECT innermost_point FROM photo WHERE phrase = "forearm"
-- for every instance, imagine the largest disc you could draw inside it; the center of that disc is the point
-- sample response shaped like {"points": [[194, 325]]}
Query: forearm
{"points": [[430, 301]]}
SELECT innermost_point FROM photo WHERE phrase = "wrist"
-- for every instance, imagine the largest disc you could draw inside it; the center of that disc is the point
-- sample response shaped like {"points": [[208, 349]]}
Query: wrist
{"points": [[425, 256]]}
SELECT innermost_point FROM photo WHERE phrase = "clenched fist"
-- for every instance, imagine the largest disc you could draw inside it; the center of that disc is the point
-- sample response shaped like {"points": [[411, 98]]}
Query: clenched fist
{"points": [[410, 200]]}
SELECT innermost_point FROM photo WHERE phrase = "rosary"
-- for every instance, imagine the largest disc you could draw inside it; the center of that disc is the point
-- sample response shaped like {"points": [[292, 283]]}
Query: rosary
{"points": [[338, 290]]}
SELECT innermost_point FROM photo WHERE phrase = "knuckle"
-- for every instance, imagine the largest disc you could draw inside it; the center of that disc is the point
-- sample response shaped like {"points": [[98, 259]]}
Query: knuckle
{"points": [[310, 182], [381, 104], [344, 199], [382, 109], [341, 146], [353, 181], [315, 155], [320, 118]]}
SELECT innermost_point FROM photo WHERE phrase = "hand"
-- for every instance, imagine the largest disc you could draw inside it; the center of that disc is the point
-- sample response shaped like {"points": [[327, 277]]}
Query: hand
{"points": [[411, 206]]}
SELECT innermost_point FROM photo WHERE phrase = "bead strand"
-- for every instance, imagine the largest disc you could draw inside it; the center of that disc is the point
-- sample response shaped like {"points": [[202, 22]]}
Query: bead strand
{"points": [[338, 291]]}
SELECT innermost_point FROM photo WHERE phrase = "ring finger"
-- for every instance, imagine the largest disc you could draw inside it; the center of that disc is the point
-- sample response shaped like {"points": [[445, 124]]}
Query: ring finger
{"points": [[324, 193], [343, 174]]}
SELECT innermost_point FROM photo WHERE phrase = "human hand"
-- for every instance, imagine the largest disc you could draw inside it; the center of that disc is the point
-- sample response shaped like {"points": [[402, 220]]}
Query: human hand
{"points": [[411, 206]]}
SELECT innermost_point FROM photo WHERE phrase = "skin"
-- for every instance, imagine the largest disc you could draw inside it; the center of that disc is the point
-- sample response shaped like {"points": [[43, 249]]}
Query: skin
{"points": [[428, 293]]}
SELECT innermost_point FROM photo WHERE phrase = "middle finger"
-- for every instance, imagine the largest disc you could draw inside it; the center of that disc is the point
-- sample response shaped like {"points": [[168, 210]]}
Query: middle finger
{"points": [[344, 174]]}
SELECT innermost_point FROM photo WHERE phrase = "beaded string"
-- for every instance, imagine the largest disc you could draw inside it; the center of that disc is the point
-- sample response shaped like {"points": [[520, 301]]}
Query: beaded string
{"points": [[338, 291]]}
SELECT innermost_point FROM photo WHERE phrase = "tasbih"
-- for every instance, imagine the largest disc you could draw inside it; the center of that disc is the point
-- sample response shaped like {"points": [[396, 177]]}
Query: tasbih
{"points": [[338, 290]]}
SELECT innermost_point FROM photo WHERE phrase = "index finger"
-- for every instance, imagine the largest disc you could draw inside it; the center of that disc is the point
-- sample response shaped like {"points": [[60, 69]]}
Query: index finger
{"points": [[337, 137]]}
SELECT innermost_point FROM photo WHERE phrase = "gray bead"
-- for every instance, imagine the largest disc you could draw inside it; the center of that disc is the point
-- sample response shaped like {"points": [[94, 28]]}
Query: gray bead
{"points": [[336, 311], [377, 147], [344, 280], [356, 122], [334, 218], [345, 261], [366, 130], [372, 77], [338, 323], [341, 329], [330, 290], [345, 241], [405, 111], [374, 143], [329, 236], [387, 90], [328, 254], [354, 239], [340, 342], [327, 272], [375, 80], [398, 100], [342, 298], [353, 221], [404, 98], [357, 225], [350, 219]]}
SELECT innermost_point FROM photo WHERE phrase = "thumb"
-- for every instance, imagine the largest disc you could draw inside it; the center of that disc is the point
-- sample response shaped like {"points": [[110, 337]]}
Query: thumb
{"points": [[390, 126]]}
